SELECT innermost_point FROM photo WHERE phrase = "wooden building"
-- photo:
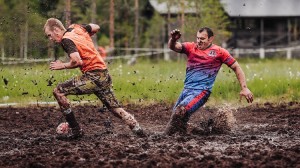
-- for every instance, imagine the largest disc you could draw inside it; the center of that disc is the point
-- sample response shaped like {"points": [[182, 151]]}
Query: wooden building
{"points": [[263, 23], [255, 23]]}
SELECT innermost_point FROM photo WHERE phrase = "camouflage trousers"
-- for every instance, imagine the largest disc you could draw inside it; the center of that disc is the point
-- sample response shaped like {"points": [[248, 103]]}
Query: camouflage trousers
{"points": [[96, 82]]}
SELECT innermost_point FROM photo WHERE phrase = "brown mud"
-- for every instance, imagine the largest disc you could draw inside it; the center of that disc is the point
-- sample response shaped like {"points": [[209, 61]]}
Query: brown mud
{"points": [[265, 135]]}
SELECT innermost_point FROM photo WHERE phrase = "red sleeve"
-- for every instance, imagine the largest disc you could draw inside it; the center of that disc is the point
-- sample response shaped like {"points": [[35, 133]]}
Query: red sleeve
{"points": [[186, 47], [226, 57]]}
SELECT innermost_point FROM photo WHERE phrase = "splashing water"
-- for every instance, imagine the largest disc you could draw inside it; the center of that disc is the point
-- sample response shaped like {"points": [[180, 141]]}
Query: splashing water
{"points": [[219, 121], [223, 119]]}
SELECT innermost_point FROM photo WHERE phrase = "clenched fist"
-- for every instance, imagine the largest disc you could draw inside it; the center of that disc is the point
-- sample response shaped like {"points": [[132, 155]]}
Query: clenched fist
{"points": [[175, 34]]}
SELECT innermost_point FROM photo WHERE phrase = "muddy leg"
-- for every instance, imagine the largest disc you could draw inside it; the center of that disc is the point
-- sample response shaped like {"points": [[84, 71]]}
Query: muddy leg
{"points": [[177, 122], [68, 113], [129, 120]]}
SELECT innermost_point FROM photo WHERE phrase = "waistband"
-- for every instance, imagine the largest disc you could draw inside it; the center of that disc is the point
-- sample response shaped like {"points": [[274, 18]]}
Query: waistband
{"points": [[97, 70]]}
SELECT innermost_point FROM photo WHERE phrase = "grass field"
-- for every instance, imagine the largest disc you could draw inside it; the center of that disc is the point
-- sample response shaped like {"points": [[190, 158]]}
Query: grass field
{"points": [[146, 82]]}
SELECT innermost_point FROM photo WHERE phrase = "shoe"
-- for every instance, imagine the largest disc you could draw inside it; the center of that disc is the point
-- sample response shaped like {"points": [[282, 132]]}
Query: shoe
{"points": [[75, 133], [138, 131], [102, 109]]}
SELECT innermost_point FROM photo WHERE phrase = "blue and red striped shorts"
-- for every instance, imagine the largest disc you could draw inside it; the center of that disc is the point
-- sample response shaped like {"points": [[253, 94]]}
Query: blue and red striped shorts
{"points": [[192, 99]]}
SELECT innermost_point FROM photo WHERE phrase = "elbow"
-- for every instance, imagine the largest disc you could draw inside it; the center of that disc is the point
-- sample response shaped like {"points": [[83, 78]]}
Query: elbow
{"points": [[97, 27], [77, 63], [171, 46], [234, 68], [80, 63]]}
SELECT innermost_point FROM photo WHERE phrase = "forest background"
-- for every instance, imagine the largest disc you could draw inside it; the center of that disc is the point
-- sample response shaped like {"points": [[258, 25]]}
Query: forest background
{"points": [[127, 25], [124, 23]]}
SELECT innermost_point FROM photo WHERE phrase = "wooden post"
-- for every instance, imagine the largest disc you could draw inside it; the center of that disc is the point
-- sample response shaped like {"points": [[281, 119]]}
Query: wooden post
{"points": [[26, 40], [2, 53], [295, 30], [262, 50], [136, 32], [21, 43], [166, 54], [262, 53], [289, 53], [237, 53], [289, 27]]}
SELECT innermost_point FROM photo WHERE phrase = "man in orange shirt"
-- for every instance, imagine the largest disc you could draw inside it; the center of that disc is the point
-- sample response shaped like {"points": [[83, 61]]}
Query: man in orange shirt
{"points": [[77, 43]]}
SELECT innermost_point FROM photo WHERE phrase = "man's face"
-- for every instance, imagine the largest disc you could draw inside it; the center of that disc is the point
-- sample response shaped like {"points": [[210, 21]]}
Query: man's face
{"points": [[203, 41], [53, 35]]}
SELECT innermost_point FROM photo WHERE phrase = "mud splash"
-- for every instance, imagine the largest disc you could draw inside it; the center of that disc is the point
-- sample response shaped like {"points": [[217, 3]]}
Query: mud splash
{"points": [[259, 136]]}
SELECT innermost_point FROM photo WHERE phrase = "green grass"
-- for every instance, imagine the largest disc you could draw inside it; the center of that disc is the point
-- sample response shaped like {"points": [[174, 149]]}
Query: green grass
{"points": [[147, 82], [269, 80]]}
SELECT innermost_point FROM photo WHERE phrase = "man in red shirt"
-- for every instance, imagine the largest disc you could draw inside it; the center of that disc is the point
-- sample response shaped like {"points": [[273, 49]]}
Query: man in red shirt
{"points": [[204, 60], [77, 43]]}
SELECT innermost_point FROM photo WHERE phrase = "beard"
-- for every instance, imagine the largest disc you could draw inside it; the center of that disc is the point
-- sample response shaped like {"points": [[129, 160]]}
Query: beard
{"points": [[203, 46]]}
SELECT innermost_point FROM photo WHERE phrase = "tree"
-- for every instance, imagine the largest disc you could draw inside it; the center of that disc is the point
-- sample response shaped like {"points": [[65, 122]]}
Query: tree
{"points": [[214, 16], [136, 31], [19, 21], [68, 13], [136, 24], [93, 20], [209, 13], [112, 23], [2, 9]]}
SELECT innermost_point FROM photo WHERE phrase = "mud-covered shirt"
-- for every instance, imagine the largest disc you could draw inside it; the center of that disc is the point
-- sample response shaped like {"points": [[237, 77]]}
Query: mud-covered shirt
{"points": [[204, 65], [68, 45], [77, 38]]}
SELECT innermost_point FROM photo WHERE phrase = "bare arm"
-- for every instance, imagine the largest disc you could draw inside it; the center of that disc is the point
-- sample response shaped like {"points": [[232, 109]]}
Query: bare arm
{"points": [[242, 80], [75, 61], [173, 44]]}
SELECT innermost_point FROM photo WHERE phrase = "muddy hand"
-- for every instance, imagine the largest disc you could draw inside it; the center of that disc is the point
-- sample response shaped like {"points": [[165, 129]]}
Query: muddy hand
{"points": [[247, 94], [56, 65], [175, 34]]}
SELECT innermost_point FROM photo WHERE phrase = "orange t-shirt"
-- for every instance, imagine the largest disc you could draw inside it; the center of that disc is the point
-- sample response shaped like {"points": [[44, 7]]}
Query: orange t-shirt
{"points": [[85, 46]]}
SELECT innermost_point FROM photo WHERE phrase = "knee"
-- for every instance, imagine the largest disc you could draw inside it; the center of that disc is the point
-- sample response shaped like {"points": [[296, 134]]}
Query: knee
{"points": [[56, 92], [117, 112], [180, 111]]}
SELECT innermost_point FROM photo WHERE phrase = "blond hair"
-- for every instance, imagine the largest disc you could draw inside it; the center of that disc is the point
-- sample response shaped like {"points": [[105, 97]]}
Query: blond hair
{"points": [[53, 22]]}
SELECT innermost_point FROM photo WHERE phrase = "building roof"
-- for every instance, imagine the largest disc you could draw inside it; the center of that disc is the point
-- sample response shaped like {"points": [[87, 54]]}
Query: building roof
{"points": [[261, 8], [162, 8], [242, 8]]}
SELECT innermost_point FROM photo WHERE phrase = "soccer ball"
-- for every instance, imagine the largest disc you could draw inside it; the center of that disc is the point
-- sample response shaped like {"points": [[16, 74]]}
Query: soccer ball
{"points": [[63, 128]]}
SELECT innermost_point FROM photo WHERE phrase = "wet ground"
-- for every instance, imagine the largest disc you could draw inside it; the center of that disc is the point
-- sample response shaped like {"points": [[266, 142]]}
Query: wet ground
{"points": [[263, 136]]}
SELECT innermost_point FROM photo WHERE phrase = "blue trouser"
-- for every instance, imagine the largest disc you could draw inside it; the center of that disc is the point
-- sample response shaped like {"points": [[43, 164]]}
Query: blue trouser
{"points": [[191, 100]]}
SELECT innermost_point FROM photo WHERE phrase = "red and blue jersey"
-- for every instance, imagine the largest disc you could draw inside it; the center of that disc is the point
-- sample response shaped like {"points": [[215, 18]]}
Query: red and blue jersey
{"points": [[204, 65]]}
